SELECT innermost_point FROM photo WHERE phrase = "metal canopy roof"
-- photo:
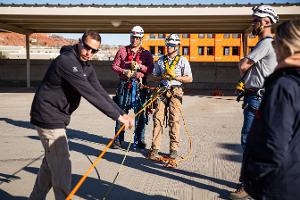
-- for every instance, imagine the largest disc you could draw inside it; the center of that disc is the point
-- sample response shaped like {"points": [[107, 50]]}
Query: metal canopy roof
{"points": [[29, 18]]}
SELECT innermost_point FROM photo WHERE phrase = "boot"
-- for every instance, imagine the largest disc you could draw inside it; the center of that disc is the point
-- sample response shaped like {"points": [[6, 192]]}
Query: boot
{"points": [[141, 145], [116, 145], [153, 154], [239, 193], [173, 154]]}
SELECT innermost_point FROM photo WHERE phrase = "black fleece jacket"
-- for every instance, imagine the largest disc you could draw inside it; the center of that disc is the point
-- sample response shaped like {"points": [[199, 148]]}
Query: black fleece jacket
{"points": [[66, 80], [271, 166]]}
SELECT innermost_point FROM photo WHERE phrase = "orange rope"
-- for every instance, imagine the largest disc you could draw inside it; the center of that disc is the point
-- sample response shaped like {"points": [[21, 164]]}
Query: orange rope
{"points": [[80, 182]]}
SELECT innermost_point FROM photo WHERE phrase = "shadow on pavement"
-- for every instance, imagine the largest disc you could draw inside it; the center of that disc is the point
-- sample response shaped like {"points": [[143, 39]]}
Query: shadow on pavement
{"points": [[19, 123], [6, 196], [139, 163], [96, 189], [6, 178], [71, 133], [236, 156]]}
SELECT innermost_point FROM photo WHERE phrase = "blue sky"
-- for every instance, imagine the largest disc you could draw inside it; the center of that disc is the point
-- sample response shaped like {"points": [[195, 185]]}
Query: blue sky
{"points": [[146, 2], [123, 39], [111, 39]]}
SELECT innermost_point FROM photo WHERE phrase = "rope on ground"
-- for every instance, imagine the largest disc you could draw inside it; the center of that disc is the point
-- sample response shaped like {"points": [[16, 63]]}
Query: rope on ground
{"points": [[83, 178], [119, 170], [187, 132]]}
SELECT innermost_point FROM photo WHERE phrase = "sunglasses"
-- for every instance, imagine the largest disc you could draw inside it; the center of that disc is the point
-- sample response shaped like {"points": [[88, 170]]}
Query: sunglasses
{"points": [[87, 47], [136, 33], [135, 37], [170, 45]]}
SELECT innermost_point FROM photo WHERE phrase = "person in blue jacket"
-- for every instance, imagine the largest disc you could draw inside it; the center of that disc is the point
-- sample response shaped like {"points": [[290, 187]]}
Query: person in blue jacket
{"points": [[271, 165]]}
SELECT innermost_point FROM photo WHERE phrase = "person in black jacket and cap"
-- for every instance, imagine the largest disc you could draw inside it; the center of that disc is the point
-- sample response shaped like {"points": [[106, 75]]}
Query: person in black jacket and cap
{"points": [[271, 166], [69, 77]]}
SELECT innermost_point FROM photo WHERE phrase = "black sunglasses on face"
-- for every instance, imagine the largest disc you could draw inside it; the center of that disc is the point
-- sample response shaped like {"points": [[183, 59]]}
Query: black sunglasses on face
{"points": [[134, 37], [87, 47]]}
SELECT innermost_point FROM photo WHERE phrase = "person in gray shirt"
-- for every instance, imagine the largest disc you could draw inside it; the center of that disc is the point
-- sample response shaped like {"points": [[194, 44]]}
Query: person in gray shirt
{"points": [[254, 68]]}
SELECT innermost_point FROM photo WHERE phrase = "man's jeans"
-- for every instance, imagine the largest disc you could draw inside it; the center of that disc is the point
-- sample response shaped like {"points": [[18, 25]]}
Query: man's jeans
{"points": [[124, 101], [251, 104]]}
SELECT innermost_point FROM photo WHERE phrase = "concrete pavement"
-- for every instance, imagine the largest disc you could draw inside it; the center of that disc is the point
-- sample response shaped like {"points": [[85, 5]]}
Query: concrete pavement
{"points": [[210, 172]]}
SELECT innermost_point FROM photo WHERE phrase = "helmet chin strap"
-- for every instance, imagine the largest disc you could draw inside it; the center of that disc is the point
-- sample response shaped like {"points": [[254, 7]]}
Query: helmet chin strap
{"points": [[175, 50], [260, 29]]}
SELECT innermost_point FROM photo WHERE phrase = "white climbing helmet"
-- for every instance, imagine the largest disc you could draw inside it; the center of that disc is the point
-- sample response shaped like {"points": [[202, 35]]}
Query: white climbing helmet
{"points": [[266, 11], [172, 40], [137, 31]]}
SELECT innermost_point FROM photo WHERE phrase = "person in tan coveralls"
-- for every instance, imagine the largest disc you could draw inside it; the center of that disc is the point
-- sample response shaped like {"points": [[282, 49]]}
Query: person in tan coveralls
{"points": [[171, 70]]}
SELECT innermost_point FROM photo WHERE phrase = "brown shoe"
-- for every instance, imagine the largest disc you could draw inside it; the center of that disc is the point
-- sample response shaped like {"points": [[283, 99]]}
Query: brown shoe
{"points": [[239, 194], [153, 154], [116, 145], [173, 154]]}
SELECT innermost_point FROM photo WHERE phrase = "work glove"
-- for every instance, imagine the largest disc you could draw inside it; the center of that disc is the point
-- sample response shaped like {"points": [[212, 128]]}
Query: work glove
{"points": [[129, 73], [240, 87], [135, 66], [139, 75], [166, 76]]}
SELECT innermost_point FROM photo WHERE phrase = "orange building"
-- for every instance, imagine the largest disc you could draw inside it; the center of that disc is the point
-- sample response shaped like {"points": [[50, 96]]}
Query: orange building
{"points": [[203, 47]]}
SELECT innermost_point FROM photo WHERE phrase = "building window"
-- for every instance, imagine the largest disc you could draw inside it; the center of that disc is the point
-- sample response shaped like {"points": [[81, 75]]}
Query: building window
{"points": [[226, 35], [185, 51], [152, 50], [201, 35], [152, 35], [235, 51], [235, 35], [210, 35], [200, 51], [160, 35], [161, 50], [226, 51], [210, 51], [185, 35]]}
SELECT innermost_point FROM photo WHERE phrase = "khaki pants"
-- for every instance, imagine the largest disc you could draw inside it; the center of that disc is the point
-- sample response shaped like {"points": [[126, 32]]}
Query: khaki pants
{"points": [[174, 114], [55, 170]]}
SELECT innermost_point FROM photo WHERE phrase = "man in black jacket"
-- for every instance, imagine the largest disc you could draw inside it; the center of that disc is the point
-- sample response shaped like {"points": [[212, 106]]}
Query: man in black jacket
{"points": [[69, 77]]}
